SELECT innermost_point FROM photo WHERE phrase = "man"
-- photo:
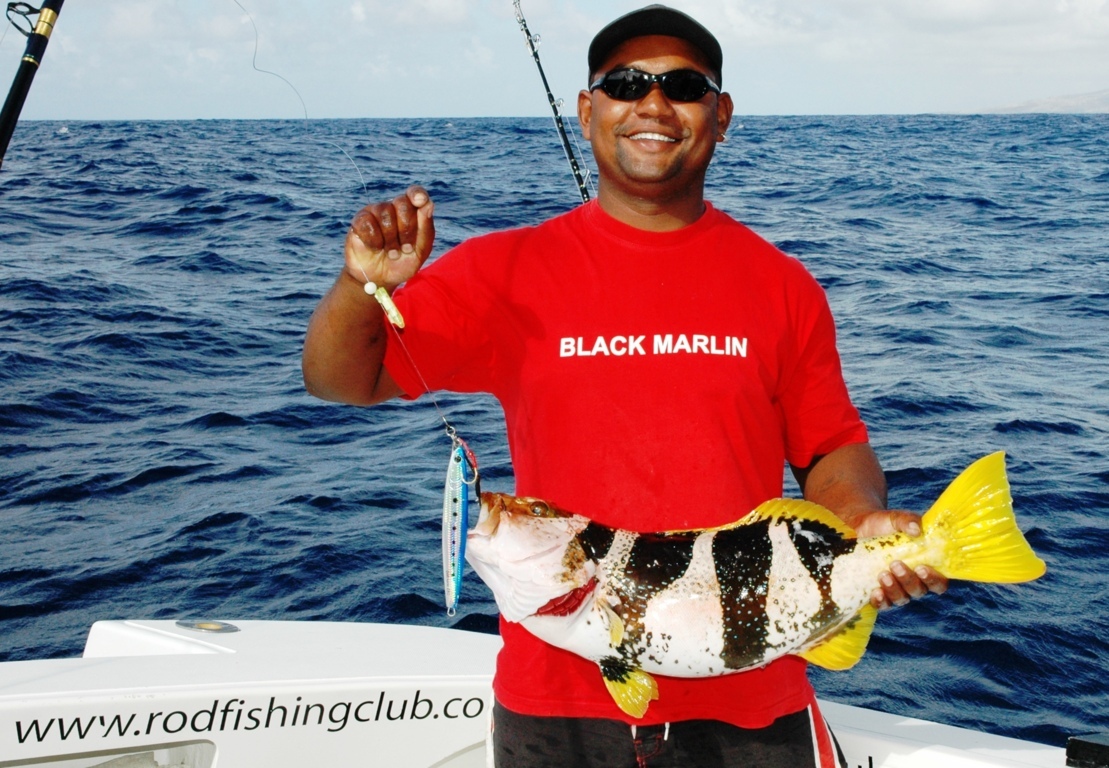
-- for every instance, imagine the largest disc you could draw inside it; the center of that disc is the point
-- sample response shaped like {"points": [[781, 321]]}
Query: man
{"points": [[657, 363]]}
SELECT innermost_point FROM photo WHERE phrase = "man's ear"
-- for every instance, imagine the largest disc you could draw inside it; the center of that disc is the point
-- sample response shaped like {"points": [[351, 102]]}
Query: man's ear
{"points": [[724, 107], [585, 112]]}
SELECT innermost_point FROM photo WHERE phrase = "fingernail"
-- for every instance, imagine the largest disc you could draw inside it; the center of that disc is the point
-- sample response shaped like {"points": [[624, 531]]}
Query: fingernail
{"points": [[394, 255], [407, 248], [887, 579], [913, 529], [900, 569], [922, 572]]}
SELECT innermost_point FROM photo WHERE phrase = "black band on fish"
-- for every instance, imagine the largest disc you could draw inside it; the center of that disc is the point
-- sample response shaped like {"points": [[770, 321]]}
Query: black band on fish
{"points": [[742, 567]]}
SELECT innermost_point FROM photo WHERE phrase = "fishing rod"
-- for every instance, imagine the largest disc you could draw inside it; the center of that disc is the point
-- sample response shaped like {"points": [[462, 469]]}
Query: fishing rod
{"points": [[37, 38], [556, 105]]}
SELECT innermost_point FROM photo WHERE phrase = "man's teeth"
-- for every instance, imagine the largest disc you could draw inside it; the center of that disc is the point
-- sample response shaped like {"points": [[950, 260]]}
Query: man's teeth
{"points": [[651, 137]]}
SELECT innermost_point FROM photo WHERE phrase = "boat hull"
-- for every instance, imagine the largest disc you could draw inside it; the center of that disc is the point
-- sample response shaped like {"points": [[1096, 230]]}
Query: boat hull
{"points": [[161, 695]]}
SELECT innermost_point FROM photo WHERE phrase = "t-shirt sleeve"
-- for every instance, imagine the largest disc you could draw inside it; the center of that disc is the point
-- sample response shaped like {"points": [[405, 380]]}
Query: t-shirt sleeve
{"points": [[451, 324], [815, 406]]}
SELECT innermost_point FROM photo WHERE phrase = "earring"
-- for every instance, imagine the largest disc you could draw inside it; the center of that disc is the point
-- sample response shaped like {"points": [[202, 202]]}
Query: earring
{"points": [[723, 138]]}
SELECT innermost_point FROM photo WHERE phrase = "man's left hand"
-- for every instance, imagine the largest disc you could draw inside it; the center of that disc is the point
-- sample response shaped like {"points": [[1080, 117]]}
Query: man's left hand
{"points": [[900, 583]]}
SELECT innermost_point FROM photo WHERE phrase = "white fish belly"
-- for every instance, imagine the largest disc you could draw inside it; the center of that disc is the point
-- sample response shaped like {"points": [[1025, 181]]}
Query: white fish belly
{"points": [[586, 633]]}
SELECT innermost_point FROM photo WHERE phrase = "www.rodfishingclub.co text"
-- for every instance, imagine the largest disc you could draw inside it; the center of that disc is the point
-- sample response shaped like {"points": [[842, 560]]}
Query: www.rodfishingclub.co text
{"points": [[236, 714]]}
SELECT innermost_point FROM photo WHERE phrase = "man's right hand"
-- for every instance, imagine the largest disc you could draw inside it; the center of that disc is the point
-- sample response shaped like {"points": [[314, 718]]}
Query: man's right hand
{"points": [[344, 348], [388, 242]]}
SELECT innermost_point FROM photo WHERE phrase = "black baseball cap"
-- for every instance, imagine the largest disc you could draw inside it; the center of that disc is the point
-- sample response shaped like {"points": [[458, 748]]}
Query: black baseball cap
{"points": [[655, 20]]}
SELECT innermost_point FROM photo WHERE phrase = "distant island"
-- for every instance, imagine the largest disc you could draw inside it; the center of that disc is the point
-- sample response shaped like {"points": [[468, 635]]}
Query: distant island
{"points": [[1082, 103]]}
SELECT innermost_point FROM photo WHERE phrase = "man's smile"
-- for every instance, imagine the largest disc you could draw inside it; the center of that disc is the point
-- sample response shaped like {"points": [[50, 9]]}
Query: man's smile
{"points": [[651, 136]]}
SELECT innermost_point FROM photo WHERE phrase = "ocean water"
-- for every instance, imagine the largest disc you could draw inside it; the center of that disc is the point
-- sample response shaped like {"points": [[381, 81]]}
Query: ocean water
{"points": [[160, 458]]}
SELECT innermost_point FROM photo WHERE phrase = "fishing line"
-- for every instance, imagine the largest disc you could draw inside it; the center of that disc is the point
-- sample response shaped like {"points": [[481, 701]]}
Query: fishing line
{"points": [[462, 467], [378, 292], [303, 106]]}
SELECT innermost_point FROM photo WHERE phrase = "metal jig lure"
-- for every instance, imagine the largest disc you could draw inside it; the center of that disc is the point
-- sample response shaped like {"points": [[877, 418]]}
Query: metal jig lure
{"points": [[462, 474]]}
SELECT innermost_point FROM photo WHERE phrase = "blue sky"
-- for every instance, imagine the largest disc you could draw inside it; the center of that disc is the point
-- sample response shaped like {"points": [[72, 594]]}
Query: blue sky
{"points": [[169, 59]]}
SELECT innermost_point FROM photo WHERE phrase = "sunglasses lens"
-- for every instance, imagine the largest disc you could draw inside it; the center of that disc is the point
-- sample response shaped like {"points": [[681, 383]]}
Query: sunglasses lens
{"points": [[626, 84], [632, 85], [685, 85]]}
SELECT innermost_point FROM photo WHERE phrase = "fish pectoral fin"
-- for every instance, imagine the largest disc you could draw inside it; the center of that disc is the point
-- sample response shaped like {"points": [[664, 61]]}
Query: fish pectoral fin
{"points": [[615, 623], [631, 688], [844, 649]]}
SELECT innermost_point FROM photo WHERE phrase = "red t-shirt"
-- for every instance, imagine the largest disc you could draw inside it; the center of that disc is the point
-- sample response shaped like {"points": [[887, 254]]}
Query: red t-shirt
{"points": [[650, 381]]}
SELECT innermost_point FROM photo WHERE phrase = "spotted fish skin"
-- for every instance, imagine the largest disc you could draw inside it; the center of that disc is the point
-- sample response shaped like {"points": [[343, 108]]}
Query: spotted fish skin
{"points": [[702, 603], [788, 578]]}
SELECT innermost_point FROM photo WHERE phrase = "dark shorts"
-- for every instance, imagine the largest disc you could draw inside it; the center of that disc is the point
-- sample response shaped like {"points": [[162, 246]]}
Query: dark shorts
{"points": [[794, 741]]}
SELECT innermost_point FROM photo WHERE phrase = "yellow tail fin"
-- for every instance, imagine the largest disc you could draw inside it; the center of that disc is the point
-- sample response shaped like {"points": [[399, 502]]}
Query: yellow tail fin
{"points": [[974, 520]]}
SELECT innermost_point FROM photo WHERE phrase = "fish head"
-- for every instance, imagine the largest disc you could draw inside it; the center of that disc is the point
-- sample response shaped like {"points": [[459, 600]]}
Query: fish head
{"points": [[527, 552]]}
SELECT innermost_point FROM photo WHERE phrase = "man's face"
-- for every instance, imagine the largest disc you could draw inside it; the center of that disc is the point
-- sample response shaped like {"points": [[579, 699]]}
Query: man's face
{"points": [[653, 147]]}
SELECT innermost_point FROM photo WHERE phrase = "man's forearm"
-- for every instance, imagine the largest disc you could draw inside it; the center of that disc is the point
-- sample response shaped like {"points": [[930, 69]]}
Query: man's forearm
{"points": [[849, 481], [344, 348]]}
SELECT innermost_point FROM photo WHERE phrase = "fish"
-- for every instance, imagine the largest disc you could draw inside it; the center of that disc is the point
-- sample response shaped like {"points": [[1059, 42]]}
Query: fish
{"points": [[788, 578]]}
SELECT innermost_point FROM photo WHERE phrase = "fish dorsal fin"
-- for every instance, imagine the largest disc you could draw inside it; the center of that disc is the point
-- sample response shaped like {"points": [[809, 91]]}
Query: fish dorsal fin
{"points": [[631, 688], [778, 509], [795, 509], [844, 649]]}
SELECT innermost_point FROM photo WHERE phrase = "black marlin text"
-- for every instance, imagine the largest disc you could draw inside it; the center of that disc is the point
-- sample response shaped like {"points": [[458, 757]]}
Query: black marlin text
{"points": [[660, 344]]}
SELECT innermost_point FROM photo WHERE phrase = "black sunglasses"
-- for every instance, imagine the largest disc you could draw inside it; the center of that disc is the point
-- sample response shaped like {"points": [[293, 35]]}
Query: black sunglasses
{"points": [[633, 84]]}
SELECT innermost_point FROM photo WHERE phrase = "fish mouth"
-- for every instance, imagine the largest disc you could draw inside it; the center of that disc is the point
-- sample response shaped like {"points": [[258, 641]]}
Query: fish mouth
{"points": [[570, 602], [489, 518]]}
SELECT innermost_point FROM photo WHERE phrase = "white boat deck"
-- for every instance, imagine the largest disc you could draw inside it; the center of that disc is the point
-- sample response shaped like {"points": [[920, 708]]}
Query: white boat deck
{"points": [[152, 694]]}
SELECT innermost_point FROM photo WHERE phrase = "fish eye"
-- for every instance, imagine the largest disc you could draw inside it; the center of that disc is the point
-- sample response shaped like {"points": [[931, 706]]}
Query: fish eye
{"points": [[539, 509]]}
